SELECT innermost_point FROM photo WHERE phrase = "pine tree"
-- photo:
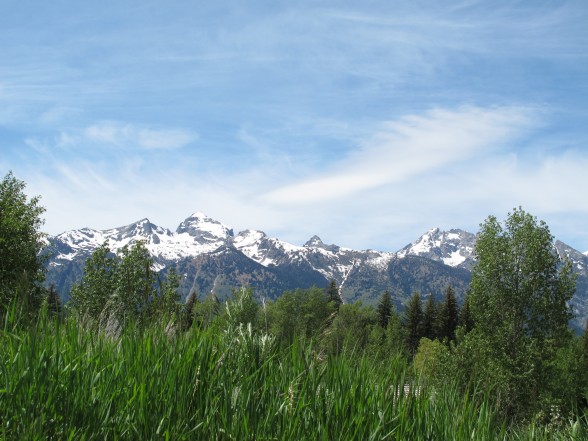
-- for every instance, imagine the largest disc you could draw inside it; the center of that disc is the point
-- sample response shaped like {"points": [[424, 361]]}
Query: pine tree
{"points": [[413, 323], [332, 294], [466, 319], [430, 318], [385, 309], [448, 317]]}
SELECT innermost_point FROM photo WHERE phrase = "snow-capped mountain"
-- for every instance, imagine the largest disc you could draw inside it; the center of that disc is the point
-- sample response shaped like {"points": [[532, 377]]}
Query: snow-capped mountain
{"points": [[454, 247], [212, 258]]}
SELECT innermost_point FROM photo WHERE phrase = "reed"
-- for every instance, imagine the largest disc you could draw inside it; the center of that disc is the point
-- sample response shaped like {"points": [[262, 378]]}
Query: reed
{"points": [[62, 381]]}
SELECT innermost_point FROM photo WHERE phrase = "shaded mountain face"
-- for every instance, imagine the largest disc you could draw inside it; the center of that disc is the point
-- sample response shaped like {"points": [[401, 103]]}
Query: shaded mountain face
{"points": [[212, 259]]}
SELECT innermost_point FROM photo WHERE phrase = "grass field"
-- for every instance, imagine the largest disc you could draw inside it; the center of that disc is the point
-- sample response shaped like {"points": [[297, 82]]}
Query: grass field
{"points": [[59, 381]]}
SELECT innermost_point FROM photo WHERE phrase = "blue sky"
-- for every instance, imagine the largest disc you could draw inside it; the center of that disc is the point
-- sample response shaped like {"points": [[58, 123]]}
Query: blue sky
{"points": [[366, 123]]}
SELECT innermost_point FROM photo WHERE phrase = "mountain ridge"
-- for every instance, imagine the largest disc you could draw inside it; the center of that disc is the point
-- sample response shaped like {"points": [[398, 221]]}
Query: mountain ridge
{"points": [[212, 258]]}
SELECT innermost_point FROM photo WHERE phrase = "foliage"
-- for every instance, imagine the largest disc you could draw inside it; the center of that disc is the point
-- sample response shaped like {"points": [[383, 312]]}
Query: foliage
{"points": [[430, 360], [430, 318], [413, 323], [21, 267], [205, 313], [351, 328], [466, 319], [333, 295], [63, 381], [518, 294], [241, 309], [117, 288], [448, 317], [384, 309], [302, 313]]}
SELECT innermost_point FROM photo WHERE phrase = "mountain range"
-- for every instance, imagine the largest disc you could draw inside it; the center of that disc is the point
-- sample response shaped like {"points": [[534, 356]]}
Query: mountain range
{"points": [[211, 258]]}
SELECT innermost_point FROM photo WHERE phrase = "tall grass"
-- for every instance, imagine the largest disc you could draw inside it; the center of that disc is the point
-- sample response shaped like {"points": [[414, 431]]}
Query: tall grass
{"points": [[60, 381]]}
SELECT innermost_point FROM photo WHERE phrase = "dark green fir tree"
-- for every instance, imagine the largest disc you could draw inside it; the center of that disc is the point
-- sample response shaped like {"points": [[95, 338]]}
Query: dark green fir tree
{"points": [[385, 309], [413, 323], [448, 317], [332, 294]]}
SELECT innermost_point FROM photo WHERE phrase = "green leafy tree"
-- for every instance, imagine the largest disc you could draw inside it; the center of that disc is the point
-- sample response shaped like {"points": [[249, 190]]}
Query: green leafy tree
{"points": [[519, 293], [448, 317], [117, 288], [351, 328], [90, 295], [384, 309], [135, 283], [21, 268], [413, 323], [430, 319], [302, 313]]}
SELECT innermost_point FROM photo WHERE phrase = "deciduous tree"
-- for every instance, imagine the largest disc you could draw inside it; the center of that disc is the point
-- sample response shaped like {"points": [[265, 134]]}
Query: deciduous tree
{"points": [[21, 267]]}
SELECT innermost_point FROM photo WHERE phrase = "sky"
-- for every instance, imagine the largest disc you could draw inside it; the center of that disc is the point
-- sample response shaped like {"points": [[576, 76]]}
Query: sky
{"points": [[366, 123]]}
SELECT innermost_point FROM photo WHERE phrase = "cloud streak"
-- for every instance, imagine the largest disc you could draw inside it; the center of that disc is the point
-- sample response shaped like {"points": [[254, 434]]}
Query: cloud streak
{"points": [[412, 146]]}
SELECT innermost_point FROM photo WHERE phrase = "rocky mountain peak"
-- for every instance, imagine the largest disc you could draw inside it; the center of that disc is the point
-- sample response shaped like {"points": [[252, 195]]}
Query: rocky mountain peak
{"points": [[316, 242], [204, 229], [454, 247]]}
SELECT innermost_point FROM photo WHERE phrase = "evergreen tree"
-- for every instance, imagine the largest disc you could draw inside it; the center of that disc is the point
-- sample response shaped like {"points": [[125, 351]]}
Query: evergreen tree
{"points": [[413, 323], [21, 267], [466, 320], [448, 317], [332, 294], [384, 309], [430, 318]]}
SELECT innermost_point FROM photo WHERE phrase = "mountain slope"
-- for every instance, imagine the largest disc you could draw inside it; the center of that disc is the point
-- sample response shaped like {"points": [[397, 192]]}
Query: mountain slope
{"points": [[212, 259]]}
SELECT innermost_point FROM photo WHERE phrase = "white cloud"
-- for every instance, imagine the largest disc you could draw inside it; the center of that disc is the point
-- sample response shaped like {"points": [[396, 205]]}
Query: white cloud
{"points": [[408, 147]]}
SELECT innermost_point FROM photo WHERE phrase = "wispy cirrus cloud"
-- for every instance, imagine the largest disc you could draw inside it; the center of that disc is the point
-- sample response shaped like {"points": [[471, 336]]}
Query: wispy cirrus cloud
{"points": [[413, 145], [119, 134]]}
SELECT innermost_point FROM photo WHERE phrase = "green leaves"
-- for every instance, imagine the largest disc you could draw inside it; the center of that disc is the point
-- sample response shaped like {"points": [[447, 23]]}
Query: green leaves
{"points": [[21, 267], [120, 287], [518, 298]]}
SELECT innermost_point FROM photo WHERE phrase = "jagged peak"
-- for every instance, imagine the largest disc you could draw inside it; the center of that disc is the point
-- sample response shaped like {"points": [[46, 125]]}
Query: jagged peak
{"points": [[314, 241]]}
